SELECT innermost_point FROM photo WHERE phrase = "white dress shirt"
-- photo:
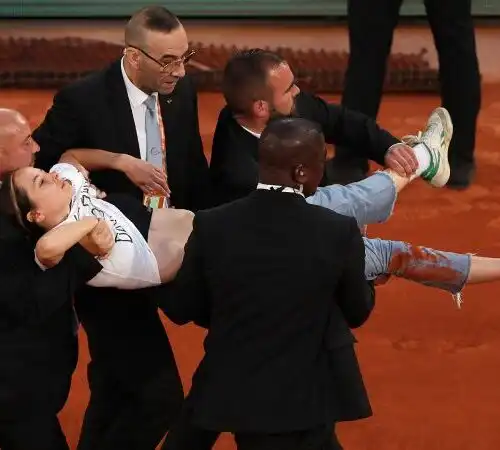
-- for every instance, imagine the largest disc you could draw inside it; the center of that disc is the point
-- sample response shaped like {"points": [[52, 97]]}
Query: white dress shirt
{"points": [[277, 187], [137, 98], [253, 133]]}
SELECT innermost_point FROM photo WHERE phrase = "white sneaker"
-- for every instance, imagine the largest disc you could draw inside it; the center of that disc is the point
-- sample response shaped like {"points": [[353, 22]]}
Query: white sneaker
{"points": [[436, 138]]}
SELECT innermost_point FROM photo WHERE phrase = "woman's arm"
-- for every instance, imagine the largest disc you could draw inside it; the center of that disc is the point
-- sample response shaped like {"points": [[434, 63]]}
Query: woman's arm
{"points": [[52, 246], [100, 241]]}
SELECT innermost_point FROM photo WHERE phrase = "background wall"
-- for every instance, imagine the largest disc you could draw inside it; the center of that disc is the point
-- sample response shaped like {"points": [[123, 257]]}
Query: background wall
{"points": [[215, 8]]}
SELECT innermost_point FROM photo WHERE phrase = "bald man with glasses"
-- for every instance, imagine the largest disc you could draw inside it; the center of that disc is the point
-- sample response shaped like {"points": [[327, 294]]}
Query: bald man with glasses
{"points": [[135, 126]]}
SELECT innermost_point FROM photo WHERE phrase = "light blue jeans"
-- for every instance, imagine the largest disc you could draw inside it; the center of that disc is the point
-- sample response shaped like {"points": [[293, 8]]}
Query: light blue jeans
{"points": [[372, 201]]}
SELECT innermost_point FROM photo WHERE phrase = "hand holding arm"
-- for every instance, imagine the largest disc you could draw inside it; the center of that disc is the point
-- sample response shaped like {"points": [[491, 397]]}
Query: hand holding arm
{"points": [[143, 174], [94, 235], [100, 240], [52, 246]]}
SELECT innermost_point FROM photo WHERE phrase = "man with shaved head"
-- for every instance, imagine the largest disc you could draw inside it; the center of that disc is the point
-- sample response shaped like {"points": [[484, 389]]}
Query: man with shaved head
{"points": [[17, 148], [279, 283], [38, 343], [135, 126]]}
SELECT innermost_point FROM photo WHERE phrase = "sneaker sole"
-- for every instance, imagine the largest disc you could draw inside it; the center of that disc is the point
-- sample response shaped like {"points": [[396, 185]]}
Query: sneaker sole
{"points": [[444, 175]]}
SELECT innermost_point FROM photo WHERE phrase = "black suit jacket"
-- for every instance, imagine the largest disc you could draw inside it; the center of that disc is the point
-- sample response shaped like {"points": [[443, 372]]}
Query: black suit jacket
{"points": [[279, 282], [233, 165], [38, 344], [95, 113]]}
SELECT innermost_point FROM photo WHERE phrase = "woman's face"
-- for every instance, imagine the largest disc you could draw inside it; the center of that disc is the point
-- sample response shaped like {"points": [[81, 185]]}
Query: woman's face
{"points": [[49, 196]]}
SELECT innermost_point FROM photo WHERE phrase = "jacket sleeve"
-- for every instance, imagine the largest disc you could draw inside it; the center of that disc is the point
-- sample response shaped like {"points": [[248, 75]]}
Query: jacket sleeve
{"points": [[59, 131], [346, 128], [355, 295], [200, 187], [233, 171], [30, 294]]}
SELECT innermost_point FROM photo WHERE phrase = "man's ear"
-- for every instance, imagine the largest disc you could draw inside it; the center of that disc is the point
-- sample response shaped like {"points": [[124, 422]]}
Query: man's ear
{"points": [[299, 174], [132, 55], [260, 108]]}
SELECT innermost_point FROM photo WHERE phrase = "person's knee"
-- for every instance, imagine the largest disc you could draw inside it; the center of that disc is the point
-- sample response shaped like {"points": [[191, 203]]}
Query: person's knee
{"points": [[377, 257]]}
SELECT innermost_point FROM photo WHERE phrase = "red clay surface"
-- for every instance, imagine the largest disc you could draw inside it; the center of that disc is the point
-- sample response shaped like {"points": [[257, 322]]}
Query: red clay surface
{"points": [[431, 370]]}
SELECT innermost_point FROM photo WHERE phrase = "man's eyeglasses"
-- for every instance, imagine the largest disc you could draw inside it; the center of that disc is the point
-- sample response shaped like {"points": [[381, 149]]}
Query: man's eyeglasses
{"points": [[170, 65]]}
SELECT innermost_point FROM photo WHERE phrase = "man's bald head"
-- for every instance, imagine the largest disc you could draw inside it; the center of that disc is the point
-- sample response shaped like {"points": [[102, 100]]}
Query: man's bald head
{"points": [[17, 147], [9, 119], [289, 140], [294, 148]]}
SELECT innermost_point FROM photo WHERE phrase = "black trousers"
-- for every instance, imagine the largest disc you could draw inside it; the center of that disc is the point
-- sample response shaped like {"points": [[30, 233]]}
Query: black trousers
{"points": [[186, 436], [40, 432], [371, 28], [135, 387], [317, 439]]}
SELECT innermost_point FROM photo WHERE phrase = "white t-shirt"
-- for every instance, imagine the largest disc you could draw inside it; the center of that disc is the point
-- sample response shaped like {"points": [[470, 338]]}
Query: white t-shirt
{"points": [[131, 263]]}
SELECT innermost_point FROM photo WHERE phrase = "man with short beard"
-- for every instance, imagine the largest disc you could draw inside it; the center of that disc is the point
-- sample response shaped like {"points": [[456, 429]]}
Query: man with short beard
{"points": [[259, 85]]}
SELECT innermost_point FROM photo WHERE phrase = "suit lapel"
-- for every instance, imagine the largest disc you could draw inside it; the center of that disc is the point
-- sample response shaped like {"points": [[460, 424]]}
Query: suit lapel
{"points": [[169, 109], [126, 134]]}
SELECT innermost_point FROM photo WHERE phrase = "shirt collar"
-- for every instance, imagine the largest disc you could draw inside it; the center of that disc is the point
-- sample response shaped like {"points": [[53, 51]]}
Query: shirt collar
{"points": [[278, 188], [253, 133], [135, 95], [273, 187]]}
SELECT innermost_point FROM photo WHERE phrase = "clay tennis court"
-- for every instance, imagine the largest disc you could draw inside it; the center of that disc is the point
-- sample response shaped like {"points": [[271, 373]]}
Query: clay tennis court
{"points": [[431, 370]]}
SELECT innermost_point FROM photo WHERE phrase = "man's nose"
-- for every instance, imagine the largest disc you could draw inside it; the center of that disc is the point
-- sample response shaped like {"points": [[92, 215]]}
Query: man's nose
{"points": [[179, 70]]}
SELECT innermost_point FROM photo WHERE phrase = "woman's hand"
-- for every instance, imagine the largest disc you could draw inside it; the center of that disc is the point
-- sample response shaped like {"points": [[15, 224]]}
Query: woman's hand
{"points": [[100, 240]]}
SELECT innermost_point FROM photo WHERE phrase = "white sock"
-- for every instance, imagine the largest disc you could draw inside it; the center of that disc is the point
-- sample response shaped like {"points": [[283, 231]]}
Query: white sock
{"points": [[423, 158]]}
